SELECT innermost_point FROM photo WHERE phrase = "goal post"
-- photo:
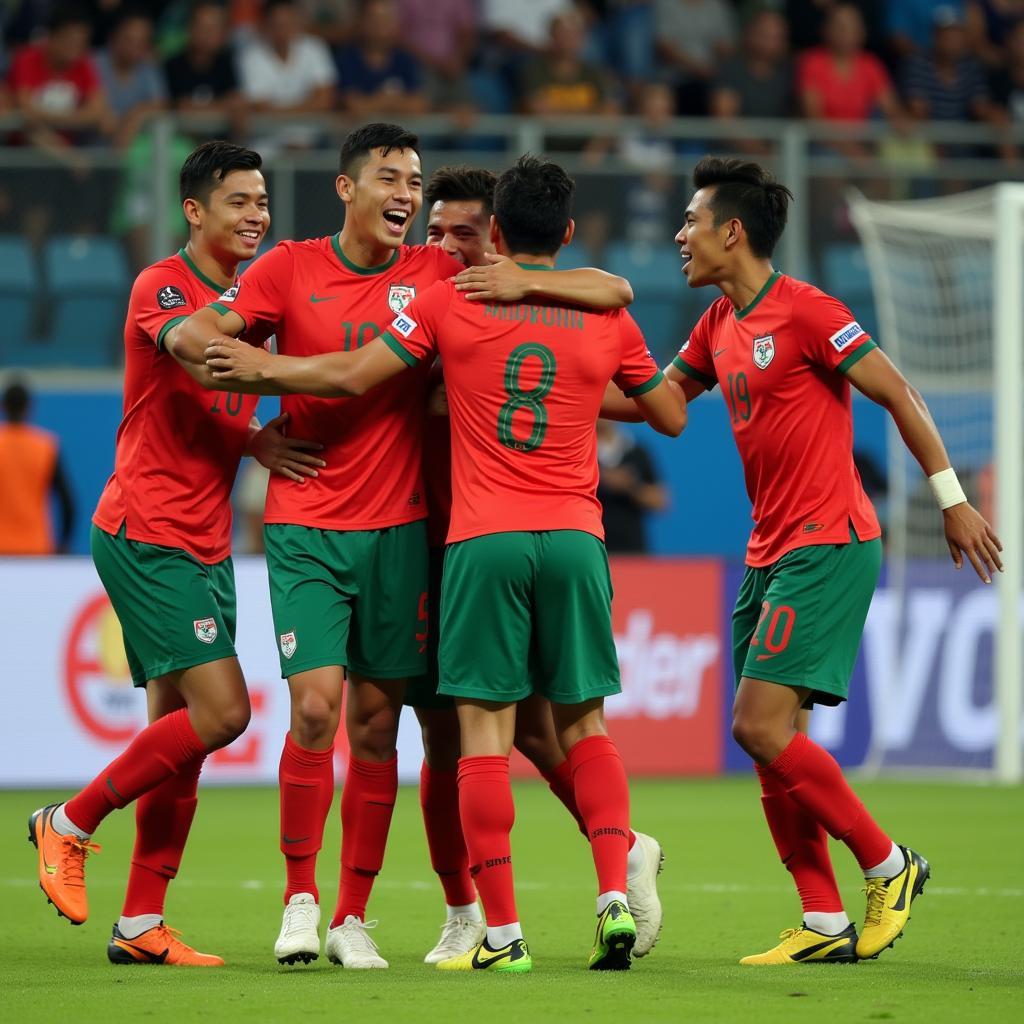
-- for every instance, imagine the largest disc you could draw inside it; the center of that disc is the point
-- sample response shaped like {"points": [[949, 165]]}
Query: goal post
{"points": [[948, 279]]}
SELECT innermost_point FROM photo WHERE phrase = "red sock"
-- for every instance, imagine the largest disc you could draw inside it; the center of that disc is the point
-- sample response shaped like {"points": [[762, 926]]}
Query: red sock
{"points": [[439, 799], [156, 753], [803, 846], [812, 778], [485, 804], [163, 817], [602, 794], [559, 781], [306, 781], [367, 803]]}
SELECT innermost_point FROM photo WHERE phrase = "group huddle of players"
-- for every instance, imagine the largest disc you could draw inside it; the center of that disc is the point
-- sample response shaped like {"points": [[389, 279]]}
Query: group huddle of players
{"points": [[433, 538]]}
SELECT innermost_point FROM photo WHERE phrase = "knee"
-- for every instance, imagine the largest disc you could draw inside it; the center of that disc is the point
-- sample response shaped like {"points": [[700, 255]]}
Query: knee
{"points": [[541, 750], [756, 737], [228, 724], [314, 719], [373, 733], [441, 748]]}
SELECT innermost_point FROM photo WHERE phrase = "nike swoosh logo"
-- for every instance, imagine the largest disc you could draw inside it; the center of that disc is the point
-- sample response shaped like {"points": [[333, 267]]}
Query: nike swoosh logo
{"points": [[313, 297], [721, 350], [764, 657], [804, 953], [502, 954], [288, 840], [113, 789], [901, 900], [153, 958]]}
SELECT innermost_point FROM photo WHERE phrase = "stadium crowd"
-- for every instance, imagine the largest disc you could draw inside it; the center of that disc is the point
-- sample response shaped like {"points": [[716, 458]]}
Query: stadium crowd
{"points": [[91, 73]]}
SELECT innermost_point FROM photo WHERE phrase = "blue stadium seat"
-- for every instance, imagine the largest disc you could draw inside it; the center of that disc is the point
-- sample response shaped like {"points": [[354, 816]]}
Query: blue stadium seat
{"points": [[845, 275], [87, 285], [659, 289], [19, 282]]}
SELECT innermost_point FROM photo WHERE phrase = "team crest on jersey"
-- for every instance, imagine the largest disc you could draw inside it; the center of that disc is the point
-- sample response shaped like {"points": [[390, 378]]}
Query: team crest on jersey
{"points": [[400, 295], [231, 294], [206, 630], [764, 351], [170, 297], [288, 644]]}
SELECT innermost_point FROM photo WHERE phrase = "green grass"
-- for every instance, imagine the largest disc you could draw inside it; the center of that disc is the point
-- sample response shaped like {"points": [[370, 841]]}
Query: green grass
{"points": [[724, 892]]}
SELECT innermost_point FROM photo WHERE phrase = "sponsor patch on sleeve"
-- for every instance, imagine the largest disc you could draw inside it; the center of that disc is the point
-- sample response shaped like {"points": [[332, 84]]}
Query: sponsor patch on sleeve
{"points": [[686, 345], [404, 325], [170, 297], [231, 294], [847, 335]]}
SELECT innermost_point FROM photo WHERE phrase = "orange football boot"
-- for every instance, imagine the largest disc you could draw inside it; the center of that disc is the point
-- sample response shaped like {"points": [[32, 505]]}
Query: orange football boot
{"points": [[61, 865], [159, 945]]}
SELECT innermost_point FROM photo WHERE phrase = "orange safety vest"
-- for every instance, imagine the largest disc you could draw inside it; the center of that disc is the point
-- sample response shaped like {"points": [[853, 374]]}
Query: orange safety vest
{"points": [[28, 457]]}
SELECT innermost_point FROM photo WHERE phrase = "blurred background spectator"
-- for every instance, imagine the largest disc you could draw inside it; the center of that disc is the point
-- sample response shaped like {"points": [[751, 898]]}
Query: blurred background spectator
{"points": [[629, 489], [30, 471], [692, 37], [202, 76]]}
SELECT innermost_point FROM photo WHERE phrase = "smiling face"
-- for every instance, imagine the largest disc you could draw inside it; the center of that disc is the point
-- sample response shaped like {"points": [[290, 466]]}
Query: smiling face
{"points": [[707, 250], [383, 198], [462, 228], [234, 218]]}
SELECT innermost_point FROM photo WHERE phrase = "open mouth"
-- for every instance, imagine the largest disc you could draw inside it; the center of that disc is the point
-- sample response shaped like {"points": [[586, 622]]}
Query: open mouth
{"points": [[687, 260], [396, 220], [249, 236]]}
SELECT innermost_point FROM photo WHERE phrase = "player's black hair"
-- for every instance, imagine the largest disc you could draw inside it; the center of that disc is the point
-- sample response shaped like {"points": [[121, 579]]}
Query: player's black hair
{"points": [[533, 205], [209, 164], [461, 183], [15, 401], [746, 191], [359, 144]]}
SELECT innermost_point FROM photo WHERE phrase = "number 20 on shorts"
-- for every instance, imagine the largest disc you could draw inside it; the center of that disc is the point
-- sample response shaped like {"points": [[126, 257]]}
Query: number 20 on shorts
{"points": [[774, 627]]}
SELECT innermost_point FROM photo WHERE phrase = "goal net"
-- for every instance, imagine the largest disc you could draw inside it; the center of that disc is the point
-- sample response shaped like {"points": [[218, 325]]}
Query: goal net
{"points": [[948, 281]]}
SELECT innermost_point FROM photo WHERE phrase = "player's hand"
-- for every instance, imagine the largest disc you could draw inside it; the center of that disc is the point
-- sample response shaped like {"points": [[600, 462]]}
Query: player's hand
{"points": [[232, 360], [437, 401], [500, 280], [967, 533], [286, 456]]}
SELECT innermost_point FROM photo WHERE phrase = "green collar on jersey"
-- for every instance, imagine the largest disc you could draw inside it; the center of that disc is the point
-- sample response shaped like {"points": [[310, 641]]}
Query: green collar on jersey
{"points": [[741, 313], [534, 266], [354, 267], [208, 281]]}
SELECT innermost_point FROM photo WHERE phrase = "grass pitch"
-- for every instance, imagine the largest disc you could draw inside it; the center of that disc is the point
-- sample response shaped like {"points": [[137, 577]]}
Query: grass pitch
{"points": [[724, 892]]}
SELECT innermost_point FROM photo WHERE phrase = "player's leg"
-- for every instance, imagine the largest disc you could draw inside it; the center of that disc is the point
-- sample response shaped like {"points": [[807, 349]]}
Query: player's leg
{"points": [[163, 819], [148, 584], [537, 740], [486, 617], [814, 610], [387, 646], [310, 594], [576, 668]]}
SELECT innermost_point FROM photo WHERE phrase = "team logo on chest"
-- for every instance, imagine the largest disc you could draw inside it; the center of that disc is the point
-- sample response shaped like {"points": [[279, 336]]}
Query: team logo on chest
{"points": [[206, 630], [400, 295], [764, 351]]}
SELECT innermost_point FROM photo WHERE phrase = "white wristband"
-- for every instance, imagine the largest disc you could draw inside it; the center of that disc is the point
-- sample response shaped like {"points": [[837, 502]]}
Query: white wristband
{"points": [[946, 488]]}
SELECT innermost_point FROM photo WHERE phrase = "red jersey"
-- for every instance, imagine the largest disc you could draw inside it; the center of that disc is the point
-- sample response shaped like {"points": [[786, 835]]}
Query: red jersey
{"points": [[781, 364], [178, 445], [316, 301], [437, 476], [57, 91], [525, 385], [853, 97]]}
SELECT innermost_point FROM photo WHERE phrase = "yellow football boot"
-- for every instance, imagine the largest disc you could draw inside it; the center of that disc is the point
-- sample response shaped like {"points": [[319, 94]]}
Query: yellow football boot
{"points": [[889, 901], [804, 946]]}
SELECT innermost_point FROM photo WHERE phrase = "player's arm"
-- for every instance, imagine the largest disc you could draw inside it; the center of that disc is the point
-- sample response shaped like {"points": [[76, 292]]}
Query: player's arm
{"points": [[187, 341], [967, 532], [616, 406], [288, 456], [502, 280], [663, 407], [236, 366]]}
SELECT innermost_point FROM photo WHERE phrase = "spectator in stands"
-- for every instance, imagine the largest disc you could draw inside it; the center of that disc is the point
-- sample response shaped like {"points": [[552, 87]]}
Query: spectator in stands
{"points": [[441, 35], [286, 71], [840, 81], [691, 38], [806, 21], [133, 81], [55, 85], [1008, 84], [909, 24], [625, 35], [946, 83], [30, 471], [375, 75], [518, 27], [628, 489], [202, 76], [333, 21], [989, 26], [758, 82]]}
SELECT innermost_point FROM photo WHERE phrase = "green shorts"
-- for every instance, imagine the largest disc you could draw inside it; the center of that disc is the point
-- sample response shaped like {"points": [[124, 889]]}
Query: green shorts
{"points": [[799, 621], [175, 612], [356, 598], [421, 692], [526, 613]]}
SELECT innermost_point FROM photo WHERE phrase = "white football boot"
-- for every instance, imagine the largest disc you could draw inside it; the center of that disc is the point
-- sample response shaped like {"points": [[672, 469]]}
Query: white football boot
{"points": [[642, 894], [458, 935], [351, 946], [300, 936]]}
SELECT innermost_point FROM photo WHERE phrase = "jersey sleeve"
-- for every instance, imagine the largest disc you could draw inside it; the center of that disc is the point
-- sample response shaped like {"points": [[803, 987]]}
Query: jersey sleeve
{"points": [[638, 373], [260, 295], [412, 335], [829, 334], [694, 358], [160, 300]]}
